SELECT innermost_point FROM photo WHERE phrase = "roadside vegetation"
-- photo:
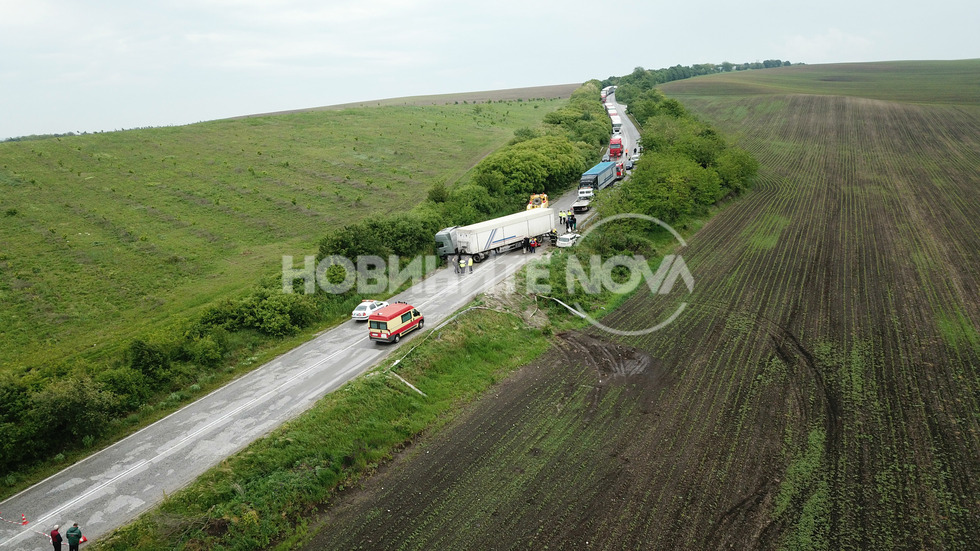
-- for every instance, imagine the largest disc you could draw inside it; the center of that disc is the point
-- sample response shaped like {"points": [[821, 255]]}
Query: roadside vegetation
{"points": [[176, 313], [141, 268], [269, 491], [820, 391], [250, 502], [685, 171]]}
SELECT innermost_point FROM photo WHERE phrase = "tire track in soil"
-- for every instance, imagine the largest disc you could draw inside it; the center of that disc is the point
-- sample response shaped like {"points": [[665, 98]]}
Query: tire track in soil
{"points": [[592, 383]]}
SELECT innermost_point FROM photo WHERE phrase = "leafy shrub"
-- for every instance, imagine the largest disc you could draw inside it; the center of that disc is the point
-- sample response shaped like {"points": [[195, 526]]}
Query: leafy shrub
{"points": [[523, 134], [438, 193], [130, 387], [735, 167], [149, 359], [67, 411], [540, 165], [203, 350]]}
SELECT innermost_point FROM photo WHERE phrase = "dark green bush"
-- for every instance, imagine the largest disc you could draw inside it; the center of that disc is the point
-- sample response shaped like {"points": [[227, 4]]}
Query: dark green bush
{"points": [[150, 359], [438, 193], [203, 350], [67, 411], [130, 387]]}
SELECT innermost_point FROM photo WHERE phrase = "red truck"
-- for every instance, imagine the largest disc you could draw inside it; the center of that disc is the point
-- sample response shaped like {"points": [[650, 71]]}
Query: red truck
{"points": [[616, 146]]}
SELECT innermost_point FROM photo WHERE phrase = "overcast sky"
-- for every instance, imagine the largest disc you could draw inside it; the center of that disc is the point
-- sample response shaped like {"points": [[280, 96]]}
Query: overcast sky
{"points": [[90, 65]]}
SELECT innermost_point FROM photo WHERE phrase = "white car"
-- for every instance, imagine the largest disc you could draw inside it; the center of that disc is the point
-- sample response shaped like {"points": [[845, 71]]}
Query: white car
{"points": [[568, 239], [366, 308]]}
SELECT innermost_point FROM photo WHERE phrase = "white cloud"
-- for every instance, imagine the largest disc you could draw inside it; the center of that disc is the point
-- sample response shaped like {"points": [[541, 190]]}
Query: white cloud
{"points": [[116, 63], [830, 46], [17, 13]]}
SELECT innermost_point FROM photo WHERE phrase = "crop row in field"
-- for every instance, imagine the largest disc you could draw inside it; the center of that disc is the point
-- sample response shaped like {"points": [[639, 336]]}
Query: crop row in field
{"points": [[928, 82], [875, 209]]}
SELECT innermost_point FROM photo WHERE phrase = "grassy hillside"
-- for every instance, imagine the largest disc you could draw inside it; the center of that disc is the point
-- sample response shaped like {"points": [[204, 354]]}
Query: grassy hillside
{"points": [[107, 236]]}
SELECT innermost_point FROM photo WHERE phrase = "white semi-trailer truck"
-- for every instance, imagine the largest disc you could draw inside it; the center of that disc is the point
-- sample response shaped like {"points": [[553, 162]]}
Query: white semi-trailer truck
{"points": [[496, 235]]}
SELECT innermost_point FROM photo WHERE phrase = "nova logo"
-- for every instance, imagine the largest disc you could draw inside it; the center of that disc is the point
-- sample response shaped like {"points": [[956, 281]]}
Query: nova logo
{"points": [[621, 274]]}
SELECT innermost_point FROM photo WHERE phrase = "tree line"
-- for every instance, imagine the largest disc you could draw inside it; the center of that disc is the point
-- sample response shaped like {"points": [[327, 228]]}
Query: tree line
{"points": [[644, 79], [686, 167]]}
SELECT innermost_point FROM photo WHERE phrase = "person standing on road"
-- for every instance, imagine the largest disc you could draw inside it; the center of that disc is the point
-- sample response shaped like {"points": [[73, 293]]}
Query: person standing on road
{"points": [[462, 264], [574, 223], [470, 263], [455, 263], [525, 244], [74, 537], [56, 538]]}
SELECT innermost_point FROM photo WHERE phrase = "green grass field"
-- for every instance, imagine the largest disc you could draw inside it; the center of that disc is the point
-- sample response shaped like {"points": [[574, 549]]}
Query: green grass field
{"points": [[948, 82], [109, 236]]}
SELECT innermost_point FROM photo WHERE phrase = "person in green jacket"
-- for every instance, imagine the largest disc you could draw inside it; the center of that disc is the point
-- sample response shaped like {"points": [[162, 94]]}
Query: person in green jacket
{"points": [[74, 537]]}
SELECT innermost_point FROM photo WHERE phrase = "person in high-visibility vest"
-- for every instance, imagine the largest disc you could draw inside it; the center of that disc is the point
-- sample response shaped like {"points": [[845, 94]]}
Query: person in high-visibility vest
{"points": [[462, 263], [470, 264]]}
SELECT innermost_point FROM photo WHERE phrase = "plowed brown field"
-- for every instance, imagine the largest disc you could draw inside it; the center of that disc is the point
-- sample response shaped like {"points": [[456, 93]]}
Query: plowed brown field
{"points": [[820, 391]]}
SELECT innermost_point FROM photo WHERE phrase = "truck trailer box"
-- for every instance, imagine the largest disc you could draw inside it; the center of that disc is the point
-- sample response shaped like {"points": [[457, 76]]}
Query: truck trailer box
{"points": [[497, 234], [599, 176]]}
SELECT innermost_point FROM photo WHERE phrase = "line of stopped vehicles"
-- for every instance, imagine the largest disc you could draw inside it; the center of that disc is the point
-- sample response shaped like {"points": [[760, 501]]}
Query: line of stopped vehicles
{"points": [[389, 322]]}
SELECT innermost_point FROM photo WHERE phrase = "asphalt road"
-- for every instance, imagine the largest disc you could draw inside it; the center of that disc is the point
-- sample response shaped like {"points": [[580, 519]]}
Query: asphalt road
{"points": [[113, 486], [110, 488], [631, 136]]}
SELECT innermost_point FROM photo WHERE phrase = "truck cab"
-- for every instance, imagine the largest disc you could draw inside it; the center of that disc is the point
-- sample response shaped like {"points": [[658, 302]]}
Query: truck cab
{"points": [[616, 146], [586, 193], [446, 242]]}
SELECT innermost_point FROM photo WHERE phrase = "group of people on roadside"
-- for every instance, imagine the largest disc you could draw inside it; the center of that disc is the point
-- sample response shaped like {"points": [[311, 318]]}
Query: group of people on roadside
{"points": [[564, 216], [529, 244], [73, 535], [569, 220], [460, 263]]}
